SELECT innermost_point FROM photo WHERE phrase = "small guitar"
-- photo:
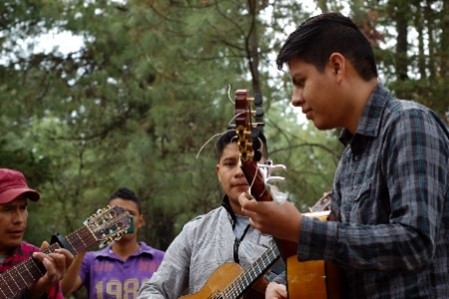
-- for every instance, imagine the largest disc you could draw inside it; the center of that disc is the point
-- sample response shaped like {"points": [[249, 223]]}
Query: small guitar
{"points": [[300, 275], [230, 281], [104, 226]]}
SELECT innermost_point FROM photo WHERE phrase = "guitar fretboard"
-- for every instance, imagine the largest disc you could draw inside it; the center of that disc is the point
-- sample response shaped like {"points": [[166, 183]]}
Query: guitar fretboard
{"points": [[16, 279], [251, 274]]}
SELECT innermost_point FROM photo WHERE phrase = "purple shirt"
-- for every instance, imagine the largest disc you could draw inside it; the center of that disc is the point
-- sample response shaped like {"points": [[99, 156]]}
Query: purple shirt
{"points": [[106, 276]]}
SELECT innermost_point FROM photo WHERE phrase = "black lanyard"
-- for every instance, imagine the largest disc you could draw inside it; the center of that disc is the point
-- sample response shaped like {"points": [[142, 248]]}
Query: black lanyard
{"points": [[237, 242]]}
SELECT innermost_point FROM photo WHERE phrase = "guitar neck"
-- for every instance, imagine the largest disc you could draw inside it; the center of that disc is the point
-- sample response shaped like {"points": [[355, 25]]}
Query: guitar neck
{"points": [[251, 274], [261, 193], [258, 188], [16, 279]]}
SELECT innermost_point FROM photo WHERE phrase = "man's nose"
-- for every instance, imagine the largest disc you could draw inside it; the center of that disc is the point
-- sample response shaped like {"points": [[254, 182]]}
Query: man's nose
{"points": [[20, 215], [238, 171], [297, 98]]}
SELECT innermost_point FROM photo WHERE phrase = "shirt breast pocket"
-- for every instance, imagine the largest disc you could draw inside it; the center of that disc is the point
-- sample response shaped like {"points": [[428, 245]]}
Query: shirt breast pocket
{"points": [[357, 204]]}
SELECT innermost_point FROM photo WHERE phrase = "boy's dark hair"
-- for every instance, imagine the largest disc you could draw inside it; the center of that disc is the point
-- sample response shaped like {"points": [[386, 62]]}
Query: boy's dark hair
{"points": [[259, 143], [126, 194], [318, 37]]}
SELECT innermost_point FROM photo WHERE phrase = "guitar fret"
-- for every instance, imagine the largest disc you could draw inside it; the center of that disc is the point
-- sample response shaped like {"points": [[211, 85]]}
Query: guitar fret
{"points": [[6, 295], [71, 244], [2, 290], [13, 280], [81, 239], [22, 273], [244, 280], [76, 240], [29, 272], [34, 269]]}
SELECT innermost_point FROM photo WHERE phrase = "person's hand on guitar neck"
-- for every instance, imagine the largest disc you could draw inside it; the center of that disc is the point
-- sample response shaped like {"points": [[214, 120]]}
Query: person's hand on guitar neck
{"points": [[55, 263], [282, 221]]}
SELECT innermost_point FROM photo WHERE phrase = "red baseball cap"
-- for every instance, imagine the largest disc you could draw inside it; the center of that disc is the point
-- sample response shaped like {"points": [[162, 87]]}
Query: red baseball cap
{"points": [[13, 184]]}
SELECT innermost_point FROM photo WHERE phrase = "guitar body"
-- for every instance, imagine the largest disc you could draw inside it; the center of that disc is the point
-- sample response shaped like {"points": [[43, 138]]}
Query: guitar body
{"points": [[306, 280], [221, 278], [313, 279]]}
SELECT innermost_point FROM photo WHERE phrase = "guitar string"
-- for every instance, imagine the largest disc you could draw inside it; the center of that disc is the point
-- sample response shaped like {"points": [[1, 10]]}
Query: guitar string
{"points": [[228, 93], [248, 276], [2, 289], [216, 135], [208, 141], [15, 272]]}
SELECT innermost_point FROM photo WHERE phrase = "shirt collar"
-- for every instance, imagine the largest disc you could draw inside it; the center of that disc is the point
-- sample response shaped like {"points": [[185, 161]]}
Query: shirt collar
{"points": [[370, 120], [227, 205], [143, 249]]}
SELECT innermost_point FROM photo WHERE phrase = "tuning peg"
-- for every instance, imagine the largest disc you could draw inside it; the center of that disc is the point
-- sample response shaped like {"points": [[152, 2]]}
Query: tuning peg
{"points": [[274, 179], [259, 112], [275, 167], [258, 99]]}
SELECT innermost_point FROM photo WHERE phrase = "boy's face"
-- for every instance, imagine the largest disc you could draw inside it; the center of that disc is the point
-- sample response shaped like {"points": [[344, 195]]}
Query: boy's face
{"points": [[13, 222], [230, 174]]}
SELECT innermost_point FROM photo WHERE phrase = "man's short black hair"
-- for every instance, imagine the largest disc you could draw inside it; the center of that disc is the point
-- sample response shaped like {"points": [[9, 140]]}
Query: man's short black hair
{"points": [[319, 36], [126, 194]]}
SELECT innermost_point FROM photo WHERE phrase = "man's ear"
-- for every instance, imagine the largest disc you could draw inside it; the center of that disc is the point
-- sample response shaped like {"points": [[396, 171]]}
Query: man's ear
{"points": [[337, 63], [142, 220], [217, 169]]}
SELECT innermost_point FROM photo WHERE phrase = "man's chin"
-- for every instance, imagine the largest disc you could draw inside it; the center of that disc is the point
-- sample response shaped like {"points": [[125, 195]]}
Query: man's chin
{"points": [[322, 126], [14, 242]]}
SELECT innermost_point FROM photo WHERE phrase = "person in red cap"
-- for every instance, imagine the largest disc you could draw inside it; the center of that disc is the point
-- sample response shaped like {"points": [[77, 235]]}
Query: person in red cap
{"points": [[14, 196]]}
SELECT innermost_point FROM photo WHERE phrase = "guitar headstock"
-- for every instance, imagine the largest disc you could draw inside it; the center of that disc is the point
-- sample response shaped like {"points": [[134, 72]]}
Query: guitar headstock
{"points": [[248, 122], [109, 224]]}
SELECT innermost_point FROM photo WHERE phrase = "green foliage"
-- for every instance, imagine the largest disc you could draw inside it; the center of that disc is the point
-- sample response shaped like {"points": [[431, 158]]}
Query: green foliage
{"points": [[149, 88]]}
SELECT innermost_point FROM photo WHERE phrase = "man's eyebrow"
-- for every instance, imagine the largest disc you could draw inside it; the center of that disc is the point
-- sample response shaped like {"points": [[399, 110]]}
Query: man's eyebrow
{"points": [[230, 158]]}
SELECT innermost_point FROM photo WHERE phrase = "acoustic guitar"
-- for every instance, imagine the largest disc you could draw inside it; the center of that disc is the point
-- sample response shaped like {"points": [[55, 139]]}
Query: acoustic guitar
{"points": [[306, 280], [231, 281], [314, 279], [104, 226]]}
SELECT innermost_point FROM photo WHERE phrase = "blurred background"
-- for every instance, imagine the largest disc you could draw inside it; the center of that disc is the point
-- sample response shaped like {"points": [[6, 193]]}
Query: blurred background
{"points": [[96, 95]]}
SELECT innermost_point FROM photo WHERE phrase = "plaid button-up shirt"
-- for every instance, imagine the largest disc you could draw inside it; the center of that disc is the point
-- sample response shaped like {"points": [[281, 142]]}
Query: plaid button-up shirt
{"points": [[391, 197]]}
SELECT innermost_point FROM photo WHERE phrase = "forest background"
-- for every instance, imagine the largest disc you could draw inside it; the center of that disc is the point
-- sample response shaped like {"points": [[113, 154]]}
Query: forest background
{"points": [[153, 81]]}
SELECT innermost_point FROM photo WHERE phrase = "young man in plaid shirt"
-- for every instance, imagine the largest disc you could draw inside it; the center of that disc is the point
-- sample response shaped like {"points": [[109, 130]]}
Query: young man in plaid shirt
{"points": [[390, 196]]}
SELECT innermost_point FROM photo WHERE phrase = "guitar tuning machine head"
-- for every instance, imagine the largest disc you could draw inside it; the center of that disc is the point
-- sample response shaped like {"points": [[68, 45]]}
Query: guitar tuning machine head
{"points": [[268, 170], [258, 99]]}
